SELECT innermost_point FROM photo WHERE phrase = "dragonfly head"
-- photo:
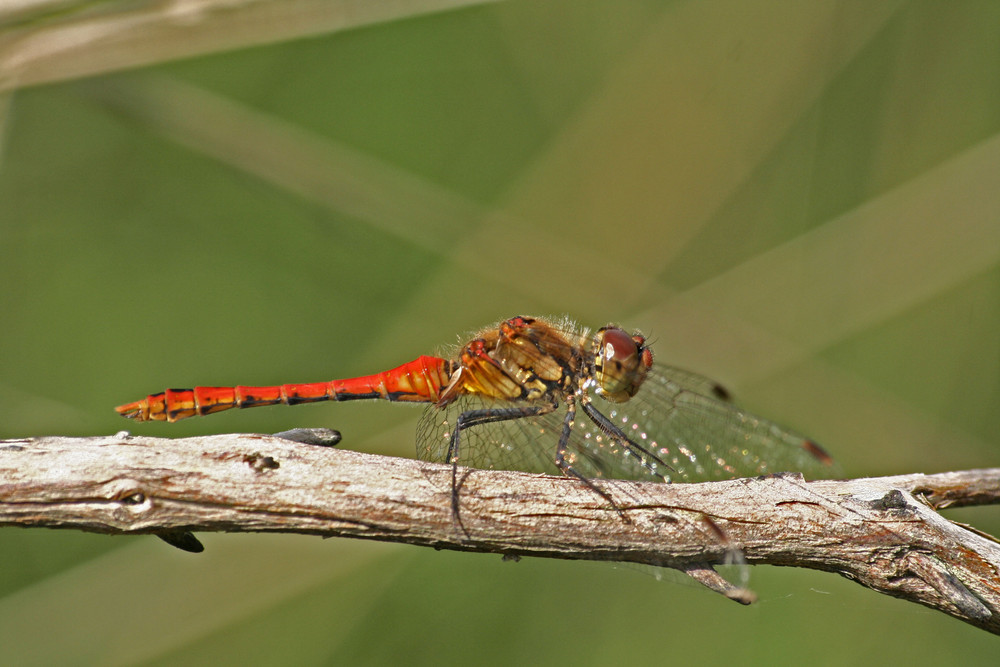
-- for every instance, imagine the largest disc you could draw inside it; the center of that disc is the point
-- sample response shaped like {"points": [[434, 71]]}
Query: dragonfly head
{"points": [[621, 362]]}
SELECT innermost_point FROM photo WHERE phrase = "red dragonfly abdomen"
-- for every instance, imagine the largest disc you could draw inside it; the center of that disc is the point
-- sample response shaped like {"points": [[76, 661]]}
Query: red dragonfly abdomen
{"points": [[418, 381]]}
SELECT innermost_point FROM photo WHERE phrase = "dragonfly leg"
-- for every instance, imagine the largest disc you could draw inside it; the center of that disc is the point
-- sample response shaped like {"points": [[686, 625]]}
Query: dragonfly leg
{"points": [[648, 459], [566, 468], [472, 418]]}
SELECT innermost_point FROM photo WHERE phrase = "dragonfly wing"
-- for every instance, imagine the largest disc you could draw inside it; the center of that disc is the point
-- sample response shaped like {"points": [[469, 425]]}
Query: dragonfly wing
{"points": [[684, 379], [526, 443], [675, 417], [704, 438]]}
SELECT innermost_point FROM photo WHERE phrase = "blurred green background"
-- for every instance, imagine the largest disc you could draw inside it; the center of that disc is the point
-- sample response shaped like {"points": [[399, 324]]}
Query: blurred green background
{"points": [[799, 199]]}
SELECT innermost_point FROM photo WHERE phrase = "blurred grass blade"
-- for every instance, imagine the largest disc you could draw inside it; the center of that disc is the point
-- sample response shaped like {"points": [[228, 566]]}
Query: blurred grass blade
{"points": [[47, 42]]}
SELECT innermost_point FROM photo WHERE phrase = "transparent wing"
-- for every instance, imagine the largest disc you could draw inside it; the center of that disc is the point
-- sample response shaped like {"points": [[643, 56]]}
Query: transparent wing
{"points": [[704, 438], [676, 417], [683, 379], [526, 443]]}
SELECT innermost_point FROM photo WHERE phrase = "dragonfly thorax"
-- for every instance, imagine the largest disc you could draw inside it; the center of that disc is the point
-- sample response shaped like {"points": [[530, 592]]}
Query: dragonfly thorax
{"points": [[621, 362]]}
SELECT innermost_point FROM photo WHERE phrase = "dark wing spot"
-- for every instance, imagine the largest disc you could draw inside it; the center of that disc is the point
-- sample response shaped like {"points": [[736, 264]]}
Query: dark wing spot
{"points": [[818, 452], [721, 393]]}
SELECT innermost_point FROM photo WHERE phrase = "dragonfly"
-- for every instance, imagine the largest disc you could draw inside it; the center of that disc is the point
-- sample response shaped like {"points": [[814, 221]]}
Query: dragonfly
{"points": [[545, 395]]}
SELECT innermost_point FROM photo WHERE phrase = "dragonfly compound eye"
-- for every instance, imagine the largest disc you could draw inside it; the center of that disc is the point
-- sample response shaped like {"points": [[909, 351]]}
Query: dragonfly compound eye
{"points": [[621, 362]]}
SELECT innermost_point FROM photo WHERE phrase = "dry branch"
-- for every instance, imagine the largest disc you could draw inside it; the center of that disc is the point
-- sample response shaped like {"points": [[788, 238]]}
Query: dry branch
{"points": [[881, 532]]}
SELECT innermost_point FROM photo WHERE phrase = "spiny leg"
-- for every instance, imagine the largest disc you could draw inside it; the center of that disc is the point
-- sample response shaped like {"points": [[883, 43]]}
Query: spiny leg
{"points": [[734, 555], [471, 418], [566, 468], [645, 457]]}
